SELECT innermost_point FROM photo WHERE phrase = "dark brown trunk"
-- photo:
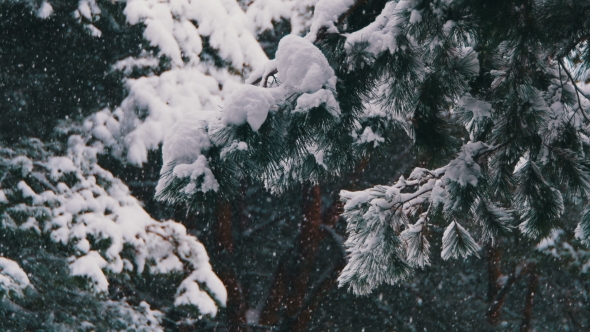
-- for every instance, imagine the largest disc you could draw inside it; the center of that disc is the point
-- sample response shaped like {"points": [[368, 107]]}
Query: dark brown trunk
{"points": [[494, 271], [527, 313], [496, 307], [307, 244], [309, 241], [323, 287], [236, 304], [243, 216], [223, 234], [500, 297], [270, 314]]}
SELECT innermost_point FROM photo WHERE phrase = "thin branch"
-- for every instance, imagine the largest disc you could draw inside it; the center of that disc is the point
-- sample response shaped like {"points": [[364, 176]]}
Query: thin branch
{"points": [[264, 78], [578, 92]]}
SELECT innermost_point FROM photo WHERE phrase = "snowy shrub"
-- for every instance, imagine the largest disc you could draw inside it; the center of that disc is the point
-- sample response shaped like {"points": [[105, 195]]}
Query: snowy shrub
{"points": [[70, 209]]}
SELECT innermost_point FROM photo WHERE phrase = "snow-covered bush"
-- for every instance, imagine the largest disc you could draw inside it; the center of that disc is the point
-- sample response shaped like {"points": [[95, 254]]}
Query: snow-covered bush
{"points": [[64, 213]]}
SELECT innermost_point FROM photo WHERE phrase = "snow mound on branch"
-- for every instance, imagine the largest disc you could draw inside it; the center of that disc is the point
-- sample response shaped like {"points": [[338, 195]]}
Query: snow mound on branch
{"points": [[186, 142], [379, 36], [12, 277], [463, 169], [302, 67], [91, 266], [97, 209], [308, 101], [325, 16], [248, 104], [45, 10]]}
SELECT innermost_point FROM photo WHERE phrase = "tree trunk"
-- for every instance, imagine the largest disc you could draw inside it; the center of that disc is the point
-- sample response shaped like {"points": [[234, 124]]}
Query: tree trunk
{"points": [[270, 314], [494, 271], [528, 304], [236, 305], [309, 241], [323, 288], [500, 297]]}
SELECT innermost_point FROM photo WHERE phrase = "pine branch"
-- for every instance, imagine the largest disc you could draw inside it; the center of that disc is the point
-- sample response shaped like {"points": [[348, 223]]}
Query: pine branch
{"points": [[578, 92]]}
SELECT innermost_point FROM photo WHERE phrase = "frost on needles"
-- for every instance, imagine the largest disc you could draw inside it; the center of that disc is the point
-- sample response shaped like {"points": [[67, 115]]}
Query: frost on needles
{"points": [[494, 106]]}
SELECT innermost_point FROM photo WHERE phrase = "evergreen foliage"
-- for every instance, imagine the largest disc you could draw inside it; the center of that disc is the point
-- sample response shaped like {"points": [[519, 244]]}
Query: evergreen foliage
{"points": [[490, 93], [489, 97], [84, 254]]}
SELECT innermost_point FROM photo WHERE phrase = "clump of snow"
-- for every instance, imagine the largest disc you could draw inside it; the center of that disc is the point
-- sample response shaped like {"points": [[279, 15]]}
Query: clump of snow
{"points": [[381, 35], [463, 169], [323, 97], [476, 110], [23, 163], [369, 136], [189, 292], [200, 168], [326, 14], [302, 67], [91, 266], [261, 14], [57, 166], [183, 147], [12, 277], [248, 104], [415, 16], [45, 10]]}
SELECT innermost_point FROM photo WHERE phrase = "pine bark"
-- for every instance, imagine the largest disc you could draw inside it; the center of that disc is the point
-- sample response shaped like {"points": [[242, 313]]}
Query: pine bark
{"points": [[308, 245], [315, 297], [293, 273], [270, 315], [236, 304], [500, 297], [494, 271], [527, 313]]}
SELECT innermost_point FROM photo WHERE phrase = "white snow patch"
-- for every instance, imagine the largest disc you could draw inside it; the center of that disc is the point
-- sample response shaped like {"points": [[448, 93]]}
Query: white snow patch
{"points": [[45, 10]]}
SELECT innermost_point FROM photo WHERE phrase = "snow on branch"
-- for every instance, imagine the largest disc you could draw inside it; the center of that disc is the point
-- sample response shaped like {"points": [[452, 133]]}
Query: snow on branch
{"points": [[188, 35], [76, 204], [326, 14], [387, 210], [12, 278], [307, 84]]}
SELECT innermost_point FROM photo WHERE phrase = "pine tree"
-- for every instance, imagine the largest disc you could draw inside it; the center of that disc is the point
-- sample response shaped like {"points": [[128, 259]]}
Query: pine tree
{"points": [[490, 95], [77, 250]]}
